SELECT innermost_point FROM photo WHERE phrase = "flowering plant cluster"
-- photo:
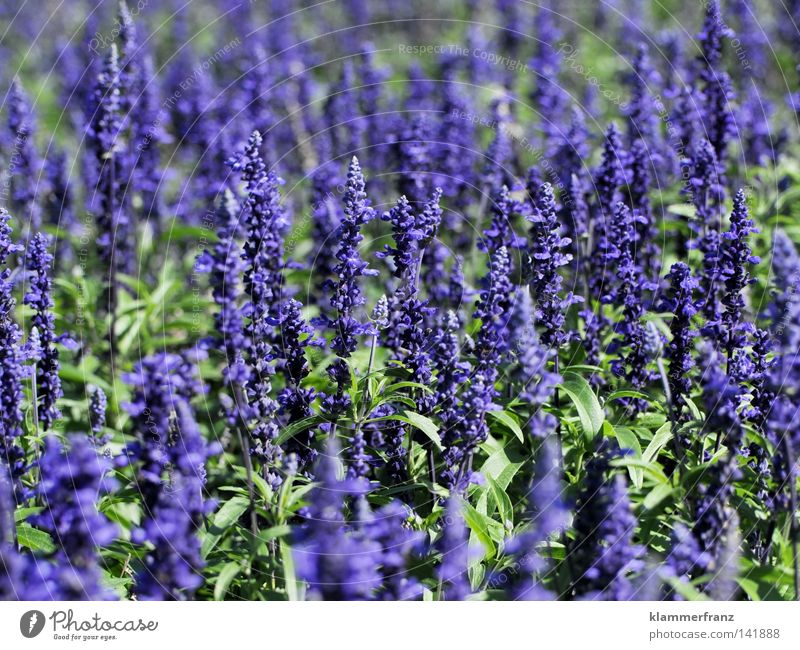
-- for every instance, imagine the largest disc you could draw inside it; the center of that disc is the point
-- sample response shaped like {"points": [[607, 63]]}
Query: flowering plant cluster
{"points": [[290, 317]]}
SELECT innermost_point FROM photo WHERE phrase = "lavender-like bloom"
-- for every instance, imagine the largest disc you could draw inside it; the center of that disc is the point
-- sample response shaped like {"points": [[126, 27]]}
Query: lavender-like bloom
{"points": [[369, 96], [571, 156], [684, 116], [160, 383], [456, 142], [611, 173], [224, 264], [397, 543], [706, 186], [498, 156], [707, 194], [336, 563], [430, 218], [11, 371], [59, 202], [510, 20], [531, 368], [604, 553], [451, 370], [103, 137], [736, 256], [634, 354], [410, 342], [414, 160], [341, 110], [435, 279], [648, 250], [782, 431], [71, 483], [570, 163], [468, 430], [712, 515], [500, 232], [295, 335], [256, 79], [172, 568], [454, 547], [265, 223], [24, 165], [346, 294], [457, 292], [721, 398], [684, 558], [359, 460], [594, 325], [388, 436], [610, 176], [476, 68], [493, 309], [98, 403], [129, 60], [643, 109], [547, 97], [39, 262], [716, 88], [148, 134], [326, 217], [759, 379], [784, 311], [679, 300], [762, 141], [406, 240], [548, 515], [545, 258]]}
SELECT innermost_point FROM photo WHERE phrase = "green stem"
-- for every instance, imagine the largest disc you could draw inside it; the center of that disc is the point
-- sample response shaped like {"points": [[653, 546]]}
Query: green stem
{"points": [[248, 463]]}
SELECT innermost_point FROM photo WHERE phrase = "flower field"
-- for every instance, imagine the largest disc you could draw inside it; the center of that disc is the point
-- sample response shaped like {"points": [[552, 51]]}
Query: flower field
{"points": [[395, 301]]}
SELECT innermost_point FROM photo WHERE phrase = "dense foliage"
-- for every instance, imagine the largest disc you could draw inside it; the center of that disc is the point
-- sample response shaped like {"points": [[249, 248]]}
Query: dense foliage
{"points": [[389, 301]]}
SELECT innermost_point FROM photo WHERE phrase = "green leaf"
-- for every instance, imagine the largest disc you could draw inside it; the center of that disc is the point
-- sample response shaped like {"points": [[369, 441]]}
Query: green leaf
{"points": [[226, 575], [289, 577], [406, 384], [297, 427], [500, 468], [479, 524], [20, 514], [34, 539], [508, 421], [657, 496], [750, 587], [627, 393], [589, 410], [651, 420], [683, 210], [274, 533], [686, 590], [579, 368], [648, 468], [627, 439], [424, 424], [226, 516], [693, 408], [504, 505], [660, 439]]}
